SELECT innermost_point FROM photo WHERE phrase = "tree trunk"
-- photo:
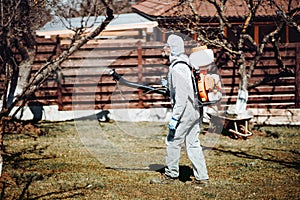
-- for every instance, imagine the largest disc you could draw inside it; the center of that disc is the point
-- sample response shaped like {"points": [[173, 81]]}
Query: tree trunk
{"points": [[24, 74], [23, 89], [242, 97]]}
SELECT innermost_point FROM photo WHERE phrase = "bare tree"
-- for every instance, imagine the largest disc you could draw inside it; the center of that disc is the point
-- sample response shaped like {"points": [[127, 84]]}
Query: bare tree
{"points": [[215, 36], [19, 21]]}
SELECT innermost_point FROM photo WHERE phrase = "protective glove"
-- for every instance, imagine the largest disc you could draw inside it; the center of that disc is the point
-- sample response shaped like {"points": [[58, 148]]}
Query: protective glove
{"points": [[164, 82], [173, 123], [170, 136]]}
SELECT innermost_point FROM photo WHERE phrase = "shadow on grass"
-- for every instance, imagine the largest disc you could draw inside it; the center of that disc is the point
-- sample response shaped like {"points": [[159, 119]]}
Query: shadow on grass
{"points": [[24, 181], [20, 174], [268, 157], [185, 172], [65, 194], [16, 159]]}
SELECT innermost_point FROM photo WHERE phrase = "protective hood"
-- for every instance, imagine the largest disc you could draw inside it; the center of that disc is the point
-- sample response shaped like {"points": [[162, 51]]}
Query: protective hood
{"points": [[176, 45]]}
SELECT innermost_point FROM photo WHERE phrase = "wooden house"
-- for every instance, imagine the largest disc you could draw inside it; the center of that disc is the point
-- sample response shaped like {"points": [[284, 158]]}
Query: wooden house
{"points": [[170, 14], [269, 99]]}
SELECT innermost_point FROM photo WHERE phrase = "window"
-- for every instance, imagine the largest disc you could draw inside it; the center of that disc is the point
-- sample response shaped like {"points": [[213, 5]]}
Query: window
{"points": [[293, 35], [266, 29]]}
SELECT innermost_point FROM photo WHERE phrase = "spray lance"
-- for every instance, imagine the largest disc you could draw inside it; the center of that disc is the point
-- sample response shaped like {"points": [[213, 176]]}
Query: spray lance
{"points": [[117, 77], [206, 81]]}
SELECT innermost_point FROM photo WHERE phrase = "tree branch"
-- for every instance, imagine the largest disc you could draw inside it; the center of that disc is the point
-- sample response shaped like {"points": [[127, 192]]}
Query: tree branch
{"points": [[49, 68]]}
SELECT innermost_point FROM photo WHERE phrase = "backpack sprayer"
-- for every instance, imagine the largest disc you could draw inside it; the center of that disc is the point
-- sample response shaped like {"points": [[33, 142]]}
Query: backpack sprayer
{"points": [[206, 81]]}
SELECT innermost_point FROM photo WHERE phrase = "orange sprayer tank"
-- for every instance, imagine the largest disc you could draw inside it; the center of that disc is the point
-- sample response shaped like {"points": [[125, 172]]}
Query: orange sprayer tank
{"points": [[201, 87]]}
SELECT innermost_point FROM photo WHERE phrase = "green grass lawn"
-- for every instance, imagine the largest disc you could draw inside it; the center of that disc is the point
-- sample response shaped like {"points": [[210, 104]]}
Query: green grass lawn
{"points": [[60, 165]]}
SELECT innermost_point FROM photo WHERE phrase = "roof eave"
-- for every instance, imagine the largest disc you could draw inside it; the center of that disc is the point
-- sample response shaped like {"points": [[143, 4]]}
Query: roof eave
{"points": [[150, 17]]}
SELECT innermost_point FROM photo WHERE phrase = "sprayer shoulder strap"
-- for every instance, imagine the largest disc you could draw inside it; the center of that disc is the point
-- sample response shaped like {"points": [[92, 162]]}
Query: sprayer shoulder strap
{"points": [[181, 62], [192, 75]]}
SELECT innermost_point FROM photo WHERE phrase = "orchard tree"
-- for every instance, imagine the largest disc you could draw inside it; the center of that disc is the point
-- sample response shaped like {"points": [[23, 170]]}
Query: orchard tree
{"points": [[19, 20], [188, 18]]}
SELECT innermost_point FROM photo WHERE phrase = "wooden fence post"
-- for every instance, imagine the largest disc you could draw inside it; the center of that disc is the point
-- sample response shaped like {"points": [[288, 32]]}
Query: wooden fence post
{"points": [[59, 90], [297, 77], [59, 77], [140, 71]]}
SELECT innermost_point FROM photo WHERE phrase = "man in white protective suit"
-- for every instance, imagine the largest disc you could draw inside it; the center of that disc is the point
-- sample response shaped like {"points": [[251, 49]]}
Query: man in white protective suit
{"points": [[184, 126]]}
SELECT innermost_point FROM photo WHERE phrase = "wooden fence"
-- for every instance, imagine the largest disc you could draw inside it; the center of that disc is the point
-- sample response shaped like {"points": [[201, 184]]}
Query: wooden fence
{"points": [[83, 81]]}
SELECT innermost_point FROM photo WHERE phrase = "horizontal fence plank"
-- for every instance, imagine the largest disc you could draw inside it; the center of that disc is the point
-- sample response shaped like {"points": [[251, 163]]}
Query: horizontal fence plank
{"points": [[277, 116]]}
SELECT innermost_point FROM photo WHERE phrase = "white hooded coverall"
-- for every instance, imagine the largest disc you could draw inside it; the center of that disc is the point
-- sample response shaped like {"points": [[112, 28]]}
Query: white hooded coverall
{"points": [[186, 110]]}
